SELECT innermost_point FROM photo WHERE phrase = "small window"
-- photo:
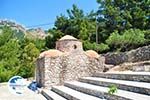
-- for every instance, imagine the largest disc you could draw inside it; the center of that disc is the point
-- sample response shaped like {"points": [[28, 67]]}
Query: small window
{"points": [[74, 46]]}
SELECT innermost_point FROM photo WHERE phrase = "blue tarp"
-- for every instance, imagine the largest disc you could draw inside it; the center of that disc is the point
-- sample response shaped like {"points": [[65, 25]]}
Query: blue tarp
{"points": [[33, 86]]}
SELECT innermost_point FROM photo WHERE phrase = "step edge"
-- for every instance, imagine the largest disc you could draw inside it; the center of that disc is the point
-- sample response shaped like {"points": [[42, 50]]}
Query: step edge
{"points": [[120, 83], [52, 97], [74, 96], [115, 94]]}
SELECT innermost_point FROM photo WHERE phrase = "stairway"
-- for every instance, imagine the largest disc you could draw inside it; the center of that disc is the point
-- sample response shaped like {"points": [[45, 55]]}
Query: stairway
{"points": [[130, 86]]}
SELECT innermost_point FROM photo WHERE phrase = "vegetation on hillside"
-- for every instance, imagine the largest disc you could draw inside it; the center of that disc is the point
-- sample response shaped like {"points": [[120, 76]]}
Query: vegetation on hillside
{"points": [[17, 56], [117, 25]]}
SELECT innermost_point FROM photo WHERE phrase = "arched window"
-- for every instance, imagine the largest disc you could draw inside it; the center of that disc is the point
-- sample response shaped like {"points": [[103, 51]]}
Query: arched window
{"points": [[75, 46]]}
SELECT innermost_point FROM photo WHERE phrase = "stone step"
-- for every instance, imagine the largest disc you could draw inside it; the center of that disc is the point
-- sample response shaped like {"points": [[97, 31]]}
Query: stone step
{"points": [[100, 91], [133, 86], [50, 95], [71, 94], [131, 76]]}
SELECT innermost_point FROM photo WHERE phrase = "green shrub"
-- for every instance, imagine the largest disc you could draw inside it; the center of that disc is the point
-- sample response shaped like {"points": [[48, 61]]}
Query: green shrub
{"points": [[97, 47], [147, 36], [112, 89], [133, 37], [6, 75], [87, 45], [129, 39], [102, 48], [114, 39]]}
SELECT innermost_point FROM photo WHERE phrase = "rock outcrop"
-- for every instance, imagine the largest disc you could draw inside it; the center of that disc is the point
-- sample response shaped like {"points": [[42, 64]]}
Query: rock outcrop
{"points": [[21, 31], [140, 54], [143, 66]]}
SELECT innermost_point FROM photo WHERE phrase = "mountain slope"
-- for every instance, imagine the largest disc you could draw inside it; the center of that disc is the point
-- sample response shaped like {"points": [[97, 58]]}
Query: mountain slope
{"points": [[21, 31]]}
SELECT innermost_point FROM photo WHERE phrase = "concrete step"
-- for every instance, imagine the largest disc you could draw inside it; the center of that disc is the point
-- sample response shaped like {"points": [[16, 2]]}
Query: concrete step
{"points": [[50, 95], [131, 76], [71, 94], [100, 91], [133, 86]]}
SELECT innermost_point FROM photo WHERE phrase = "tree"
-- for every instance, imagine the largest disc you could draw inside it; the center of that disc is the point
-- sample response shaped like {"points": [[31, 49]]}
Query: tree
{"points": [[53, 36], [116, 20], [6, 35], [125, 14], [28, 57], [9, 54], [118, 17], [76, 24], [17, 56], [9, 59], [40, 44]]}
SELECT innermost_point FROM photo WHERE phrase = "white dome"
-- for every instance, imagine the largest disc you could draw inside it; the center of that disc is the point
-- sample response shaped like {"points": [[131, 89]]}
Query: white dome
{"points": [[67, 37], [51, 53]]}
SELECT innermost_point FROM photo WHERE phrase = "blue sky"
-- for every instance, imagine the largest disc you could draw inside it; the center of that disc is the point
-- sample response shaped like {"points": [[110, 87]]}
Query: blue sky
{"points": [[34, 12]]}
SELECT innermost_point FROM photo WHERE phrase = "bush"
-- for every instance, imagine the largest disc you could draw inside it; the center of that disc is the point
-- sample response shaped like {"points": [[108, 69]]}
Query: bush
{"points": [[114, 40], [147, 36], [129, 39], [102, 48], [133, 37], [112, 89], [6, 75], [97, 47], [87, 45]]}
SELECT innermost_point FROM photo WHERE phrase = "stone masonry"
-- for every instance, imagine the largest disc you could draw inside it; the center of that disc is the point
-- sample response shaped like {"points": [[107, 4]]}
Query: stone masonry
{"points": [[68, 62]]}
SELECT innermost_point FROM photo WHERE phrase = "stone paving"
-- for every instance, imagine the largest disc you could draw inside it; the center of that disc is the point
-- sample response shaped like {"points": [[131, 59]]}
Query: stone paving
{"points": [[5, 94]]}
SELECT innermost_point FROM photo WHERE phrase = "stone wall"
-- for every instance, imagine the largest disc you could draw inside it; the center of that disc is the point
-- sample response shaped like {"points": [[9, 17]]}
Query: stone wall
{"points": [[68, 62], [69, 46], [140, 54], [67, 67], [40, 71]]}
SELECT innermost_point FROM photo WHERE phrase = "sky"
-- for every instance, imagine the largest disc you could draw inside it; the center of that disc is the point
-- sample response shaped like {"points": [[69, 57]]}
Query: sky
{"points": [[37, 12]]}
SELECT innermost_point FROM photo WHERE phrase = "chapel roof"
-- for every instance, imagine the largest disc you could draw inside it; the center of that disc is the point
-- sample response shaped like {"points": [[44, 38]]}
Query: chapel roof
{"points": [[51, 53], [92, 54], [68, 37]]}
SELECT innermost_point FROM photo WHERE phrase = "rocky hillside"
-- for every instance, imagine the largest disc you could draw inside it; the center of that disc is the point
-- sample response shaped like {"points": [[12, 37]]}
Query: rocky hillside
{"points": [[135, 55], [21, 31], [143, 66], [134, 60], [36, 33]]}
